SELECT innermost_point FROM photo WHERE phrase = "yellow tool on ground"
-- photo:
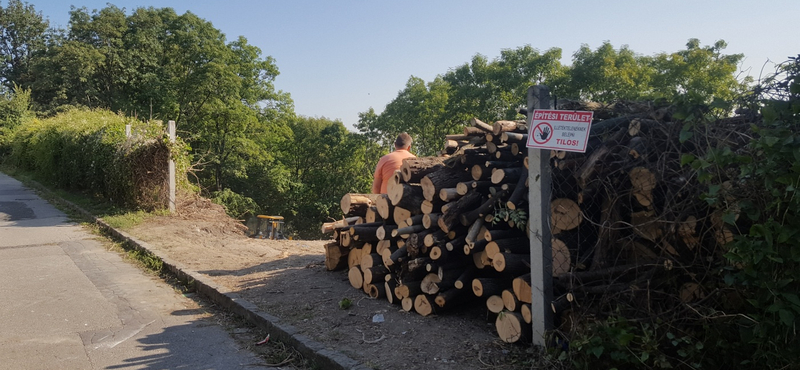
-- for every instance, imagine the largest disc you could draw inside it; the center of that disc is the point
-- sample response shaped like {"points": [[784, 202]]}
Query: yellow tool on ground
{"points": [[268, 227]]}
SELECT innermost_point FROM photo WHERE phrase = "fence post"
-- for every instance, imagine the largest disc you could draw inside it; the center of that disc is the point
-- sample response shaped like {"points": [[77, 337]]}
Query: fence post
{"points": [[539, 220], [127, 130], [171, 131]]}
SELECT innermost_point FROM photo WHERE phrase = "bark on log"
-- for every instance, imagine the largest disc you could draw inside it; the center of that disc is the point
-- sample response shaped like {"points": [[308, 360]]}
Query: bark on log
{"points": [[504, 126], [451, 298], [407, 196], [431, 220], [384, 232], [518, 196], [449, 194], [451, 217], [414, 169], [433, 182], [377, 290], [512, 264], [484, 287], [375, 274], [481, 125], [356, 204], [518, 245], [465, 279]]}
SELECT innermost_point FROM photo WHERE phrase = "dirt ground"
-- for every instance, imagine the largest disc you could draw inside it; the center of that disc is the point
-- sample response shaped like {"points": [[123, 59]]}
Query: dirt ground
{"points": [[288, 279]]}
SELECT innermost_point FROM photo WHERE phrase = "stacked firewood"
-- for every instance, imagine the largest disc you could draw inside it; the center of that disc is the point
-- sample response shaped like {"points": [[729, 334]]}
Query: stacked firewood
{"points": [[631, 232], [451, 230]]}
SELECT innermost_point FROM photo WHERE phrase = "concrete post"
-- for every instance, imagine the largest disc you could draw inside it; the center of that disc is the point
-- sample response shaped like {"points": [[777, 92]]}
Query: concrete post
{"points": [[539, 221], [171, 131]]}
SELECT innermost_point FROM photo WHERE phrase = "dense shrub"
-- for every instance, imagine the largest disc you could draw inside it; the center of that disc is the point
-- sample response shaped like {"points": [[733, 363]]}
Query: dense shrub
{"points": [[88, 151], [236, 205]]}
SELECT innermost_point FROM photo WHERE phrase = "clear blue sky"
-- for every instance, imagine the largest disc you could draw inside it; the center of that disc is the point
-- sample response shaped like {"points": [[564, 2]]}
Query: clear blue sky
{"points": [[339, 58]]}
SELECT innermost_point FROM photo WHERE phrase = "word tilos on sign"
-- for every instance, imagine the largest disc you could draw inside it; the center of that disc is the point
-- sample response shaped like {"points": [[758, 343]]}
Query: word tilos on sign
{"points": [[560, 130]]}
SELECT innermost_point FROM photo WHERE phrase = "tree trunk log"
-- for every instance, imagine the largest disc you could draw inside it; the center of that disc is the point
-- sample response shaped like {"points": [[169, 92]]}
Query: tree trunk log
{"points": [[484, 287], [357, 204], [511, 327], [356, 277], [522, 288], [510, 301], [414, 169], [407, 196], [445, 177], [511, 264], [335, 256]]}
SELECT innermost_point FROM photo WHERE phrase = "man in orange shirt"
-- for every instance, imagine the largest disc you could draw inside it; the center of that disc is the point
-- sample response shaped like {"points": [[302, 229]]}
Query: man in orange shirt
{"points": [[390, 163]]}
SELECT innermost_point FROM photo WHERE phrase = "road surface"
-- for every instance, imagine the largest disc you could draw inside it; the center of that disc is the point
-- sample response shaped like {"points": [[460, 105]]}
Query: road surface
{"points": [[66, 302]]}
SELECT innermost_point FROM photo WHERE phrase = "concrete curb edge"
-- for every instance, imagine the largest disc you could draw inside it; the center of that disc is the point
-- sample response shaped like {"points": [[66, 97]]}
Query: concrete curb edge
{"points": [[326, 358]]}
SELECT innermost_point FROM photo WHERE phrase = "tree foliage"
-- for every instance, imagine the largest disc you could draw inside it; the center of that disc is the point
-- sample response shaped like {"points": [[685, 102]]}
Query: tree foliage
{"points": [[494, 90], [22, 33]]}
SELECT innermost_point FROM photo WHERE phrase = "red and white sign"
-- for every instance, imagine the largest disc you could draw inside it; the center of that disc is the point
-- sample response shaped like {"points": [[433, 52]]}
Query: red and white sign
{"points": [[560, 130]]}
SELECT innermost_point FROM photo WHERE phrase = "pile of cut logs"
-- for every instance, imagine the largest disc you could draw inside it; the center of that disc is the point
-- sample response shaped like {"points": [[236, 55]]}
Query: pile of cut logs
{"points": [[630, 228], [451, 230]]}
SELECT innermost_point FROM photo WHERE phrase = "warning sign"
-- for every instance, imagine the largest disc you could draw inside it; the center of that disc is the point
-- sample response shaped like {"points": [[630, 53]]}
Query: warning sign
{"points": [[560, 130]]}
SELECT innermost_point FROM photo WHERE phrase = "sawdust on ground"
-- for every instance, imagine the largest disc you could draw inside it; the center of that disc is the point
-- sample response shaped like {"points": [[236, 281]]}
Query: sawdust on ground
{"points": [[288, 279]]}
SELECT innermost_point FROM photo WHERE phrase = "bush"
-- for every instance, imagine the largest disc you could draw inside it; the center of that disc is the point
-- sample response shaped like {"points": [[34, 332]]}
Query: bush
{"points": [[88, 151], [236, 205]]}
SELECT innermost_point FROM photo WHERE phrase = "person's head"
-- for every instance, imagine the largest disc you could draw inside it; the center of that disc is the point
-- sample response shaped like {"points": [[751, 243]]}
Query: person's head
{"points": [[403, 141]]}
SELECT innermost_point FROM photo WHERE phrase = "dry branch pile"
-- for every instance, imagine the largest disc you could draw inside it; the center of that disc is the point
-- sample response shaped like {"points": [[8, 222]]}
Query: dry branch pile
{"points": [[630, 211]]}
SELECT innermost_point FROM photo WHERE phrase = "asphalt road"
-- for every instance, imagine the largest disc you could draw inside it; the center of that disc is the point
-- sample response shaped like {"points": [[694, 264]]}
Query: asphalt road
{"points": [[66, 302]]}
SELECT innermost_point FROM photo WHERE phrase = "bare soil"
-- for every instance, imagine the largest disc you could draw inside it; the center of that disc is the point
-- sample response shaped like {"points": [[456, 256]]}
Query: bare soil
{"points": [[288, 279]]}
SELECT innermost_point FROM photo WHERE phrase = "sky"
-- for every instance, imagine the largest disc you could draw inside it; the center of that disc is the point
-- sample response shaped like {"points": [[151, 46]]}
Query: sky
{"points": [[339, 58]]}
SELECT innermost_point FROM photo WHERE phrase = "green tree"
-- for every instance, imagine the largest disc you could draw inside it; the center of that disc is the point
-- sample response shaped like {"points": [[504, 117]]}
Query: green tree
{"points": [[14, 110], [606, 75], [22, 34], [700, 74], [324, 161]]}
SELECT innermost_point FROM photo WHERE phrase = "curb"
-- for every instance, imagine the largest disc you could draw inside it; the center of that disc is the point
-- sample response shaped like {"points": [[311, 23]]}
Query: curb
{"points": [[325, 358]]}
